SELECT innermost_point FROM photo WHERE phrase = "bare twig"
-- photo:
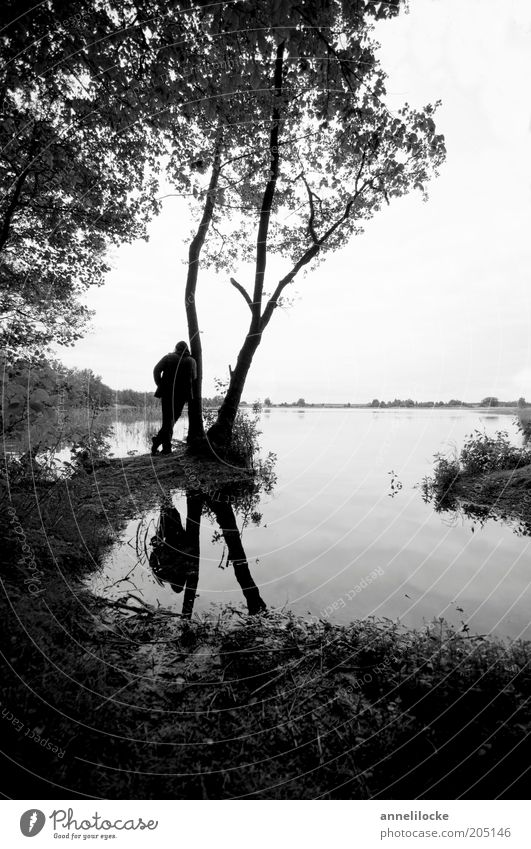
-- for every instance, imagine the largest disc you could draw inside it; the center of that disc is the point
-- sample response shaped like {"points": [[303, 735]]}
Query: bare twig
{"points": [[243, 292]]}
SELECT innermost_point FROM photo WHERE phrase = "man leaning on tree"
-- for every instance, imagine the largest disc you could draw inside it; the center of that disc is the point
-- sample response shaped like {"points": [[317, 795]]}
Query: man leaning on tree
{"points": [[174, 375]]}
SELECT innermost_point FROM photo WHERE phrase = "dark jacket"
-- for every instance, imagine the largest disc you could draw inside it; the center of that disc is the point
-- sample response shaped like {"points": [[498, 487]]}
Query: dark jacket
{"points": [[174, 374]]}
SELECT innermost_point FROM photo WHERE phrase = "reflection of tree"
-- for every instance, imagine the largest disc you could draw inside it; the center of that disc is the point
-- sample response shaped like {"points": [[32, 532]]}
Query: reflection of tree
{"points": [[226, 519], [175, 553]]}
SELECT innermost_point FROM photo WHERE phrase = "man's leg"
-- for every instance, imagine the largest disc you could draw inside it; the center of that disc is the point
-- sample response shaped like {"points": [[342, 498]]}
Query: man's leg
{"points": [[157, 439], [171, 410], [178, 406], [164, 435]]}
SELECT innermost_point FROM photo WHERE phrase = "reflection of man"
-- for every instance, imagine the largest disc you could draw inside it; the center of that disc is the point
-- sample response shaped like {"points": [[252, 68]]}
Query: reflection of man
{"points": [[175, 550], [174, 375]]}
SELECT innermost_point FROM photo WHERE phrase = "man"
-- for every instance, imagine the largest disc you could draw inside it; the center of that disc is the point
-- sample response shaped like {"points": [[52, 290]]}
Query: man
{"points": [[174, 375]]}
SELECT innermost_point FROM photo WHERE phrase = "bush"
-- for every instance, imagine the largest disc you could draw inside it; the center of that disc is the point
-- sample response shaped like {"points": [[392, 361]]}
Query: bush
{"points": [[244, 446], [440, 486], [482, 453], [523, 422], [92, 447]]}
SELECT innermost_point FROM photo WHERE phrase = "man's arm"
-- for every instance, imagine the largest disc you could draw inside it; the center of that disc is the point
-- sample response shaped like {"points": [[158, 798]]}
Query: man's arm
{"points": [[157, 371]]}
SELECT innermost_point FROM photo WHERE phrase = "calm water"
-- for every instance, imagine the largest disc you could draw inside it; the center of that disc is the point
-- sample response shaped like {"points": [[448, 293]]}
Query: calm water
{"points": [[339, 537]]}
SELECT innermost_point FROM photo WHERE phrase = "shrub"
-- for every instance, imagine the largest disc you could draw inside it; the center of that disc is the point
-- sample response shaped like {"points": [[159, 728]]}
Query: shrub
{"points": [[439, 487], [482, 453], [523, 422]]}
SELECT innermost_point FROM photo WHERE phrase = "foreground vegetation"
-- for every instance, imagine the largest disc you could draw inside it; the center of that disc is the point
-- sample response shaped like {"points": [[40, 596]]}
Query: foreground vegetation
{"points": [[145, 705]]}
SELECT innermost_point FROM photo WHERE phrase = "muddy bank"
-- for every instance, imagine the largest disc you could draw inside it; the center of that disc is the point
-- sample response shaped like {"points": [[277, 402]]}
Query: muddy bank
{"points": [[144, 477]]}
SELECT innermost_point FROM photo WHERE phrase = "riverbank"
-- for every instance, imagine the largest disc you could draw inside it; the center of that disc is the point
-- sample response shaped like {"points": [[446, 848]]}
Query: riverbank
{"points": [[101, 700]]}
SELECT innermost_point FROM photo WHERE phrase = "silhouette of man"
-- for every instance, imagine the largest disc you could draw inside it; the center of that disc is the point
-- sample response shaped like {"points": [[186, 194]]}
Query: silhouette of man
{"points": [[174, 375]]}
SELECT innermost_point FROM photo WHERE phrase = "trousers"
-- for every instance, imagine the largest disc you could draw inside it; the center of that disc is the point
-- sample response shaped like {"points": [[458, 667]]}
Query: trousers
{"points": [[172, 407]]}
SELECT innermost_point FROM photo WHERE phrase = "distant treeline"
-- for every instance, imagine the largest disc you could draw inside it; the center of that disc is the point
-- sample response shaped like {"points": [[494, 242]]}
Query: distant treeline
{"points": [[489, 401]]}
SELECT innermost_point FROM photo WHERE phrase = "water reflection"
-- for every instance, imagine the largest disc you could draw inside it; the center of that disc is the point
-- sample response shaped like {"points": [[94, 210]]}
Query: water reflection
{"points": [[226, 519], [175, 549], [175, 554], [485, 507]]}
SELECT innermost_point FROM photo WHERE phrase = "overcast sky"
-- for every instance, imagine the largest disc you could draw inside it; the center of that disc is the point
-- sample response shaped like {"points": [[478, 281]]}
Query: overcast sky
{"points": [[432, 302]]}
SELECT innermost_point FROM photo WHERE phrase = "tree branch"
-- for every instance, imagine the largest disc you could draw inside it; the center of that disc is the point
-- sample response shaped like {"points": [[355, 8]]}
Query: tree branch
{"points": [[243, 292], [311, 220], [307, 257], [269, 193]]}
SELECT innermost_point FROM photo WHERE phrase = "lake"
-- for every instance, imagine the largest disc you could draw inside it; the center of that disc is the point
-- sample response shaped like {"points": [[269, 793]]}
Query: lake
{"points": [[345, 533]]}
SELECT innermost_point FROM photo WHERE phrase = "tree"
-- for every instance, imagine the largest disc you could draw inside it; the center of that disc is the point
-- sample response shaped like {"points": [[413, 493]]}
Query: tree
{"points": [[489, 401], [300, 403], [76, 163], [268, 402], [375, 402], [329, 151], [521, 402]]}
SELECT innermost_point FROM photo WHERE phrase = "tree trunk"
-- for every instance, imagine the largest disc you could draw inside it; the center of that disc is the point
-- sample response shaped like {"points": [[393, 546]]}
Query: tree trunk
{"points": [[196, 430], [221, 430]]}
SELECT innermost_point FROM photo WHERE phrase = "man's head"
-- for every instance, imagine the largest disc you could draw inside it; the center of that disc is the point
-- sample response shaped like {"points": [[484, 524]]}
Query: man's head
{"points": [[181, 348]]}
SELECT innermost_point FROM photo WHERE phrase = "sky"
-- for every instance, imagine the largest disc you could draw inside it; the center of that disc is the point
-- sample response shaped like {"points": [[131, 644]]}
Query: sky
{"points": [[432, 302]]}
